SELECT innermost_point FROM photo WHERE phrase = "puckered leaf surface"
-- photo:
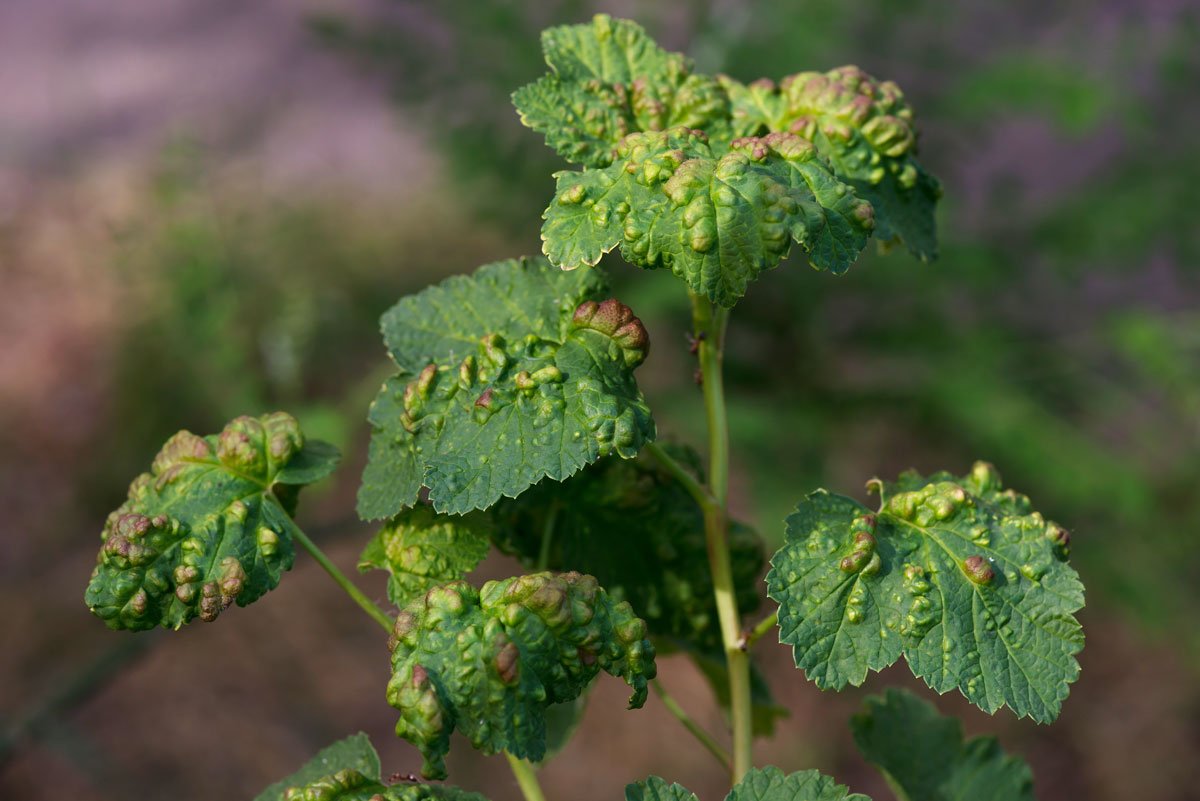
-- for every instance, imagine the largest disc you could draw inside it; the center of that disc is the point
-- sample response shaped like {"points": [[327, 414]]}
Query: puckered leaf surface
{"points": [[353, 753], [864, 128], [507, 376], [924, 758], [760, 784], [208, 526], [609, 79], [963, 579], [488, 662], [420, 549], [715, 220]]}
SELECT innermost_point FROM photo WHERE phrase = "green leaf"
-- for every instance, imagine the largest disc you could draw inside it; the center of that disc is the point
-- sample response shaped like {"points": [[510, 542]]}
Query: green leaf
{"points": [[924, 758], [208, 526], [618, 507], [507, 376], [489, 662], [760, 784], [353, 753], [964, 580], [714, 220], [351, 785], [609, 79], [864, 128], [420, 549]]}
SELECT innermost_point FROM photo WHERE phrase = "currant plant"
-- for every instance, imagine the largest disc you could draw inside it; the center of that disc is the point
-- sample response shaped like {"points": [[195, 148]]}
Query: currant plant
{"points": [[514, 421]]}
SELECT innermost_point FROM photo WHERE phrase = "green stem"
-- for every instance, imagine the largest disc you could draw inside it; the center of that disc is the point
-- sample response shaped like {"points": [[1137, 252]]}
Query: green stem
{"points": [[526, 778], [547, 538], [370, 607], [680, 474], [758, 632], [710, 322], [692, 726]]}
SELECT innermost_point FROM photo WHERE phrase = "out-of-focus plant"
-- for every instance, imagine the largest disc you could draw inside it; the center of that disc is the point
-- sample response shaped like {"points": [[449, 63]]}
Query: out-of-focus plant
{"points": [[514, 419]]}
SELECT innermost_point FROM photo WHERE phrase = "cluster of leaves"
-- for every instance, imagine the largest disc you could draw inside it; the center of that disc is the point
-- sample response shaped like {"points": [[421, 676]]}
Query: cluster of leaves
{"points": [[714, 179], [921, 754]]}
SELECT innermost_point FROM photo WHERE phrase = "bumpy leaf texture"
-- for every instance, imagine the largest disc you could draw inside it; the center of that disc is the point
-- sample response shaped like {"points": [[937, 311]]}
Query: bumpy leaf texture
{"points": [[864, 128], [420, 549], [489, 662], [716, 219], [506, 376], [608, 79], [208, 526], [349, 770], [960, 577], [760, 784], [924, 758]]}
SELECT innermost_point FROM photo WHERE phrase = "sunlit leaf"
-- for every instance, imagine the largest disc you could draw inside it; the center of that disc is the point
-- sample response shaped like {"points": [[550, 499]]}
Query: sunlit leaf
{"points": [[760, 784]]}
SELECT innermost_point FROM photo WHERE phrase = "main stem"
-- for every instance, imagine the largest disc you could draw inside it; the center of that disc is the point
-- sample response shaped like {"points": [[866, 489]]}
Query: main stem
{"points": [[709, 322]]}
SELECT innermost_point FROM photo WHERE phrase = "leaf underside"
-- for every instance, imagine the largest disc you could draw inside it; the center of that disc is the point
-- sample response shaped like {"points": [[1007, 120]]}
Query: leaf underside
{"points": [[489, 662], [924, 758], [961, 578], [208, 526], [506, 376], [714, 218], [759, 784]]}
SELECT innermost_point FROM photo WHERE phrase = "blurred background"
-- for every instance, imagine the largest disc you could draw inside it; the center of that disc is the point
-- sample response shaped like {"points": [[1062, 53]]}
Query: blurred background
{"points": [[204, 208]]}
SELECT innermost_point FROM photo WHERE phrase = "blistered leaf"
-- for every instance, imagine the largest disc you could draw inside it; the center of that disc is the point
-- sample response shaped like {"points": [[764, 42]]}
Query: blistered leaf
{"points": [[488, 662], [964, 580], [420, 549], [608, 78], [507, 376], [208, 526], [715, 220], [924, 758], [350, 785], [759, 784], [864, 128], [354, 753]]}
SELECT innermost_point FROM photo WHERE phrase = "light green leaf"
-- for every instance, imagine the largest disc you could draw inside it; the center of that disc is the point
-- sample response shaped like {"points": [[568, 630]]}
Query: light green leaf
{"points": [[924, 758], [609, 79], [714, 220], [208, 526], [353, 753], [489, 662], [962, 578], [420, 549], [507, 376], [760, 784], [864, 128], [351, 785], [597, 518]]}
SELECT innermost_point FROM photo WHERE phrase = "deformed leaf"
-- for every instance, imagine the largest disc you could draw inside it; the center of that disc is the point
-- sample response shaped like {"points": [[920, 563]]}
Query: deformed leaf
{"points": [[864, 128], [963, 579], [208, 526], [350, 785], [608, 78], [421, 549], [507, 376], [488, 662], [353, 753], [715, 219], [759, 784], [924, 758], [616, 507]]}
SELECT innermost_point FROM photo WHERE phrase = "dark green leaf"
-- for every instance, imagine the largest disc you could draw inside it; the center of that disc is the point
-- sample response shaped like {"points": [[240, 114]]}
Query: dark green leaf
{"points": [[208, 526], [507, 376], [350, 785], [760, 784], [488, 662], [965, 580], [864, 128], [924, 758], [354, 753], [714, 220]]}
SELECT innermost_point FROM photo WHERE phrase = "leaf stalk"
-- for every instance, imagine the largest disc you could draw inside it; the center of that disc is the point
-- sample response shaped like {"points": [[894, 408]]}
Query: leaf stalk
{"points": [[705, 739]]}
